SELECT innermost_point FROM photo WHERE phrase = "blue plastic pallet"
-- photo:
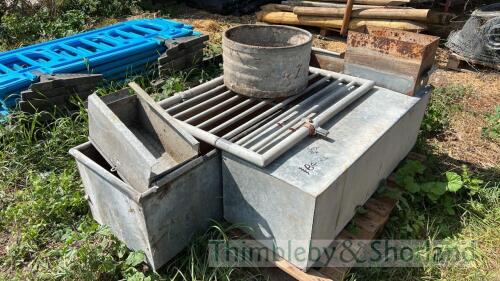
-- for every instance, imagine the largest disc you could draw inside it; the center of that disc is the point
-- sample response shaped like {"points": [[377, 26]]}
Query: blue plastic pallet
{"points": [[108, 51]]}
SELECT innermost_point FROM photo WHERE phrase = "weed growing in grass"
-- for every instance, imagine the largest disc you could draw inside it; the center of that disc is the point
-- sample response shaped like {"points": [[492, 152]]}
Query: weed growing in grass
{"points": [[432, 190], [172, 85], [442, 103], [41, 190], [475, 216], [443, 205], [91, 252], [192, 264], [46, 204], [213, 49], [18, 30], [438, 191], [23, 22], [440, 202], [184, 79], [27, 144], [492, 129]]}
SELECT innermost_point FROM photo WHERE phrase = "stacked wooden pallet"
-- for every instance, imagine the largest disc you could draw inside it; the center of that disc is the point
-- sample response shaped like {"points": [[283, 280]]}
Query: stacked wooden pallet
{"points": [[182, 53], [331, 14], [58, 90], [458, 62]]}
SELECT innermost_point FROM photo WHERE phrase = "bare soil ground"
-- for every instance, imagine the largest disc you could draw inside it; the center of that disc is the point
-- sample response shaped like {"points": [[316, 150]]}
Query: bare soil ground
{"points": [[4, 242], [462, 142]]}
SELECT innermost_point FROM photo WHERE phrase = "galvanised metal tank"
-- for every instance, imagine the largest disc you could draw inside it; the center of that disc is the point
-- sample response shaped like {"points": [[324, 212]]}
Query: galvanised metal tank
{"points": [[298, 204], [162, 220], [266, 61]]}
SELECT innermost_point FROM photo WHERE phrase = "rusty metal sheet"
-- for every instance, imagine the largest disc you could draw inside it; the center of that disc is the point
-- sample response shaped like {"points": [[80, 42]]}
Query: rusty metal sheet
{"points": [[394, 42], [396, 59]]}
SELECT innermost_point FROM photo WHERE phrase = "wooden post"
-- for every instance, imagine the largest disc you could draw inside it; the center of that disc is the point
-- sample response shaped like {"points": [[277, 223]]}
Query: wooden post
{"points": [[347, 17], [334, 23]]}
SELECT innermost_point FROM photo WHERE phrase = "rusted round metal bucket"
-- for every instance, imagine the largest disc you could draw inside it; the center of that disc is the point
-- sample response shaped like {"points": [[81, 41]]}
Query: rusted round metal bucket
{"points": [[266, 61]]}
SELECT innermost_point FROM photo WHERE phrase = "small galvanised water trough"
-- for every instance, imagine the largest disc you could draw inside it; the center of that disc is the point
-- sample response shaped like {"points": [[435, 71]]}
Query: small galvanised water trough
{"points": [[162, 220], [137, 138], [151, 199]]}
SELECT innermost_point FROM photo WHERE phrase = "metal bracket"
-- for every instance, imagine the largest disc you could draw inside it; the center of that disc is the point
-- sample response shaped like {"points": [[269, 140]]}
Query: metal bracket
{"points": [[308, 123], [322, 132]]}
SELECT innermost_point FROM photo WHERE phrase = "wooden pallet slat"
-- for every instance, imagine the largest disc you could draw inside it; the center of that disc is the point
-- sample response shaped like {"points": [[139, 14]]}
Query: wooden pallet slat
{"points": [[378, 207], [455, 62], [335, 273], [285, 266]]}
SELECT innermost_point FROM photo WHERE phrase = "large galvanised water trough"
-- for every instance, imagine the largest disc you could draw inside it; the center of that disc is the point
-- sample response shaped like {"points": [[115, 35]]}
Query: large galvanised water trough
{"points": [[302, 200]]}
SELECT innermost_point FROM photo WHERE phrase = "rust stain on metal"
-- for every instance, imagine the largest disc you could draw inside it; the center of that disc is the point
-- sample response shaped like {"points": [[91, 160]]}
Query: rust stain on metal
{"points": [[387, 41], [395, 51]]}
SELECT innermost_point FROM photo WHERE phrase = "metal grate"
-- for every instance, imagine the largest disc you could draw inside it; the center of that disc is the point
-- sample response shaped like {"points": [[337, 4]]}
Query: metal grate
{"points": [[259, 130]]}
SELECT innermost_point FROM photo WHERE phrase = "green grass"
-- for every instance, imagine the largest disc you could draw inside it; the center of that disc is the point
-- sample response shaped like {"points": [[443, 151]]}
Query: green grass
{"points": [[51, 234], [442, 104], [48, 231], [26, 23], [492, 129], [477, 218], [470, 213]]}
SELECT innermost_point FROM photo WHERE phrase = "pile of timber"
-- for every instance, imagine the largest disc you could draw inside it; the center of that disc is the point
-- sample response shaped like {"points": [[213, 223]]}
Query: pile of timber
{"points": [[329, 14], [59, 90], [181, 53]]}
